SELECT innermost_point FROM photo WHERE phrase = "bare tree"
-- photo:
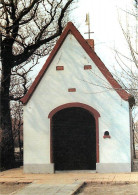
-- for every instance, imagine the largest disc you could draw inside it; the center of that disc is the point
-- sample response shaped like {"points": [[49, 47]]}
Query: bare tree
{"points": [[20, 82], [17, 127], [129, 63], [28, 30], [127, 74]]}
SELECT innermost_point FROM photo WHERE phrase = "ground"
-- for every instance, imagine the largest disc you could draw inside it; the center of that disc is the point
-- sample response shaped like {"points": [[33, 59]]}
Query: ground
{"points": [[108, 189], [64, 183], [90, 188], [8, 188]]}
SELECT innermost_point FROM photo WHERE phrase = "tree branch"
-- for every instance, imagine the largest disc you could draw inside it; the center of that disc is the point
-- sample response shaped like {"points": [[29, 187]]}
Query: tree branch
{"points": [[25, 11], [30, 49]]}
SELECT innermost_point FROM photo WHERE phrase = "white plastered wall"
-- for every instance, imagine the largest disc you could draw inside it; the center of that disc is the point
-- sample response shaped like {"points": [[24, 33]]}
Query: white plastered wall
{"points": [[92, 89]]}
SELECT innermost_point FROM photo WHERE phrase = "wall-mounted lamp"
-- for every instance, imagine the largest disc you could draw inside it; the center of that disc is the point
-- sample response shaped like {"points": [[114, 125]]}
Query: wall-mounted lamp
{"points": [[106, 135]]}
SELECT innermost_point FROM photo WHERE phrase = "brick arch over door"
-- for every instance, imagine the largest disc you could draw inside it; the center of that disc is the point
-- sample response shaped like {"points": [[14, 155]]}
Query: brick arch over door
{"points": [[95, 114]]}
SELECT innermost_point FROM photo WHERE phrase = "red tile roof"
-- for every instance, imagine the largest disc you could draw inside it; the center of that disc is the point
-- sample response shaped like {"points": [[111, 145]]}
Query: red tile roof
{"points": [[70, 28]]}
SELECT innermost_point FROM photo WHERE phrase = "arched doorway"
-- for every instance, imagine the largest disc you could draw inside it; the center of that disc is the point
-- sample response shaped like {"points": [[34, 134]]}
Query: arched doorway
{"points": [[73, 138]]}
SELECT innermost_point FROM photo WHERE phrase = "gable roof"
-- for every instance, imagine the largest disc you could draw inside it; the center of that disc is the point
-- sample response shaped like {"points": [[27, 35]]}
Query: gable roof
{"points": [[70, 28]]}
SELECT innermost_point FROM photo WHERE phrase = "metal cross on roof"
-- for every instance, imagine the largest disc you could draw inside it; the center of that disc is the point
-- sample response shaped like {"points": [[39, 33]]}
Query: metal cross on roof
{"points": [[88, 23]]}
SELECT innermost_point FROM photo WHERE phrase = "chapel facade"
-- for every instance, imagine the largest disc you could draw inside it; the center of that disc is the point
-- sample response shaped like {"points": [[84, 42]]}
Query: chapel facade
{"points": [[76, 115]]}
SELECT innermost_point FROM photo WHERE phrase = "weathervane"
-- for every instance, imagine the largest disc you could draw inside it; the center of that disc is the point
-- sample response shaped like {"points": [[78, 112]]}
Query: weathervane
{"points": [[87, 21]]}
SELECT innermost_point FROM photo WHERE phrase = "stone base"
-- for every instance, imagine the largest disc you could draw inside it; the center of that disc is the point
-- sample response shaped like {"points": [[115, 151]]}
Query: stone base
{"points": [[113, 167], [38, 168]]}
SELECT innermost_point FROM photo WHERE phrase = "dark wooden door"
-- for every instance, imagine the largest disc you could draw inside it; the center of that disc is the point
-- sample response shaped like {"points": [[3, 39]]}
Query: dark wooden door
{"points": [[74, 139]]}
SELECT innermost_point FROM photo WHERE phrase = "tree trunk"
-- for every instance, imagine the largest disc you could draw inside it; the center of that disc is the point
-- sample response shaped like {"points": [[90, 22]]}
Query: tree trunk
{"points": [[7, 142]]}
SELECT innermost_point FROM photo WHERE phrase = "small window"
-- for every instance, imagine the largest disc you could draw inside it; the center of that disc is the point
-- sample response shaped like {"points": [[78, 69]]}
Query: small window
{"points": [[106, 133]]}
